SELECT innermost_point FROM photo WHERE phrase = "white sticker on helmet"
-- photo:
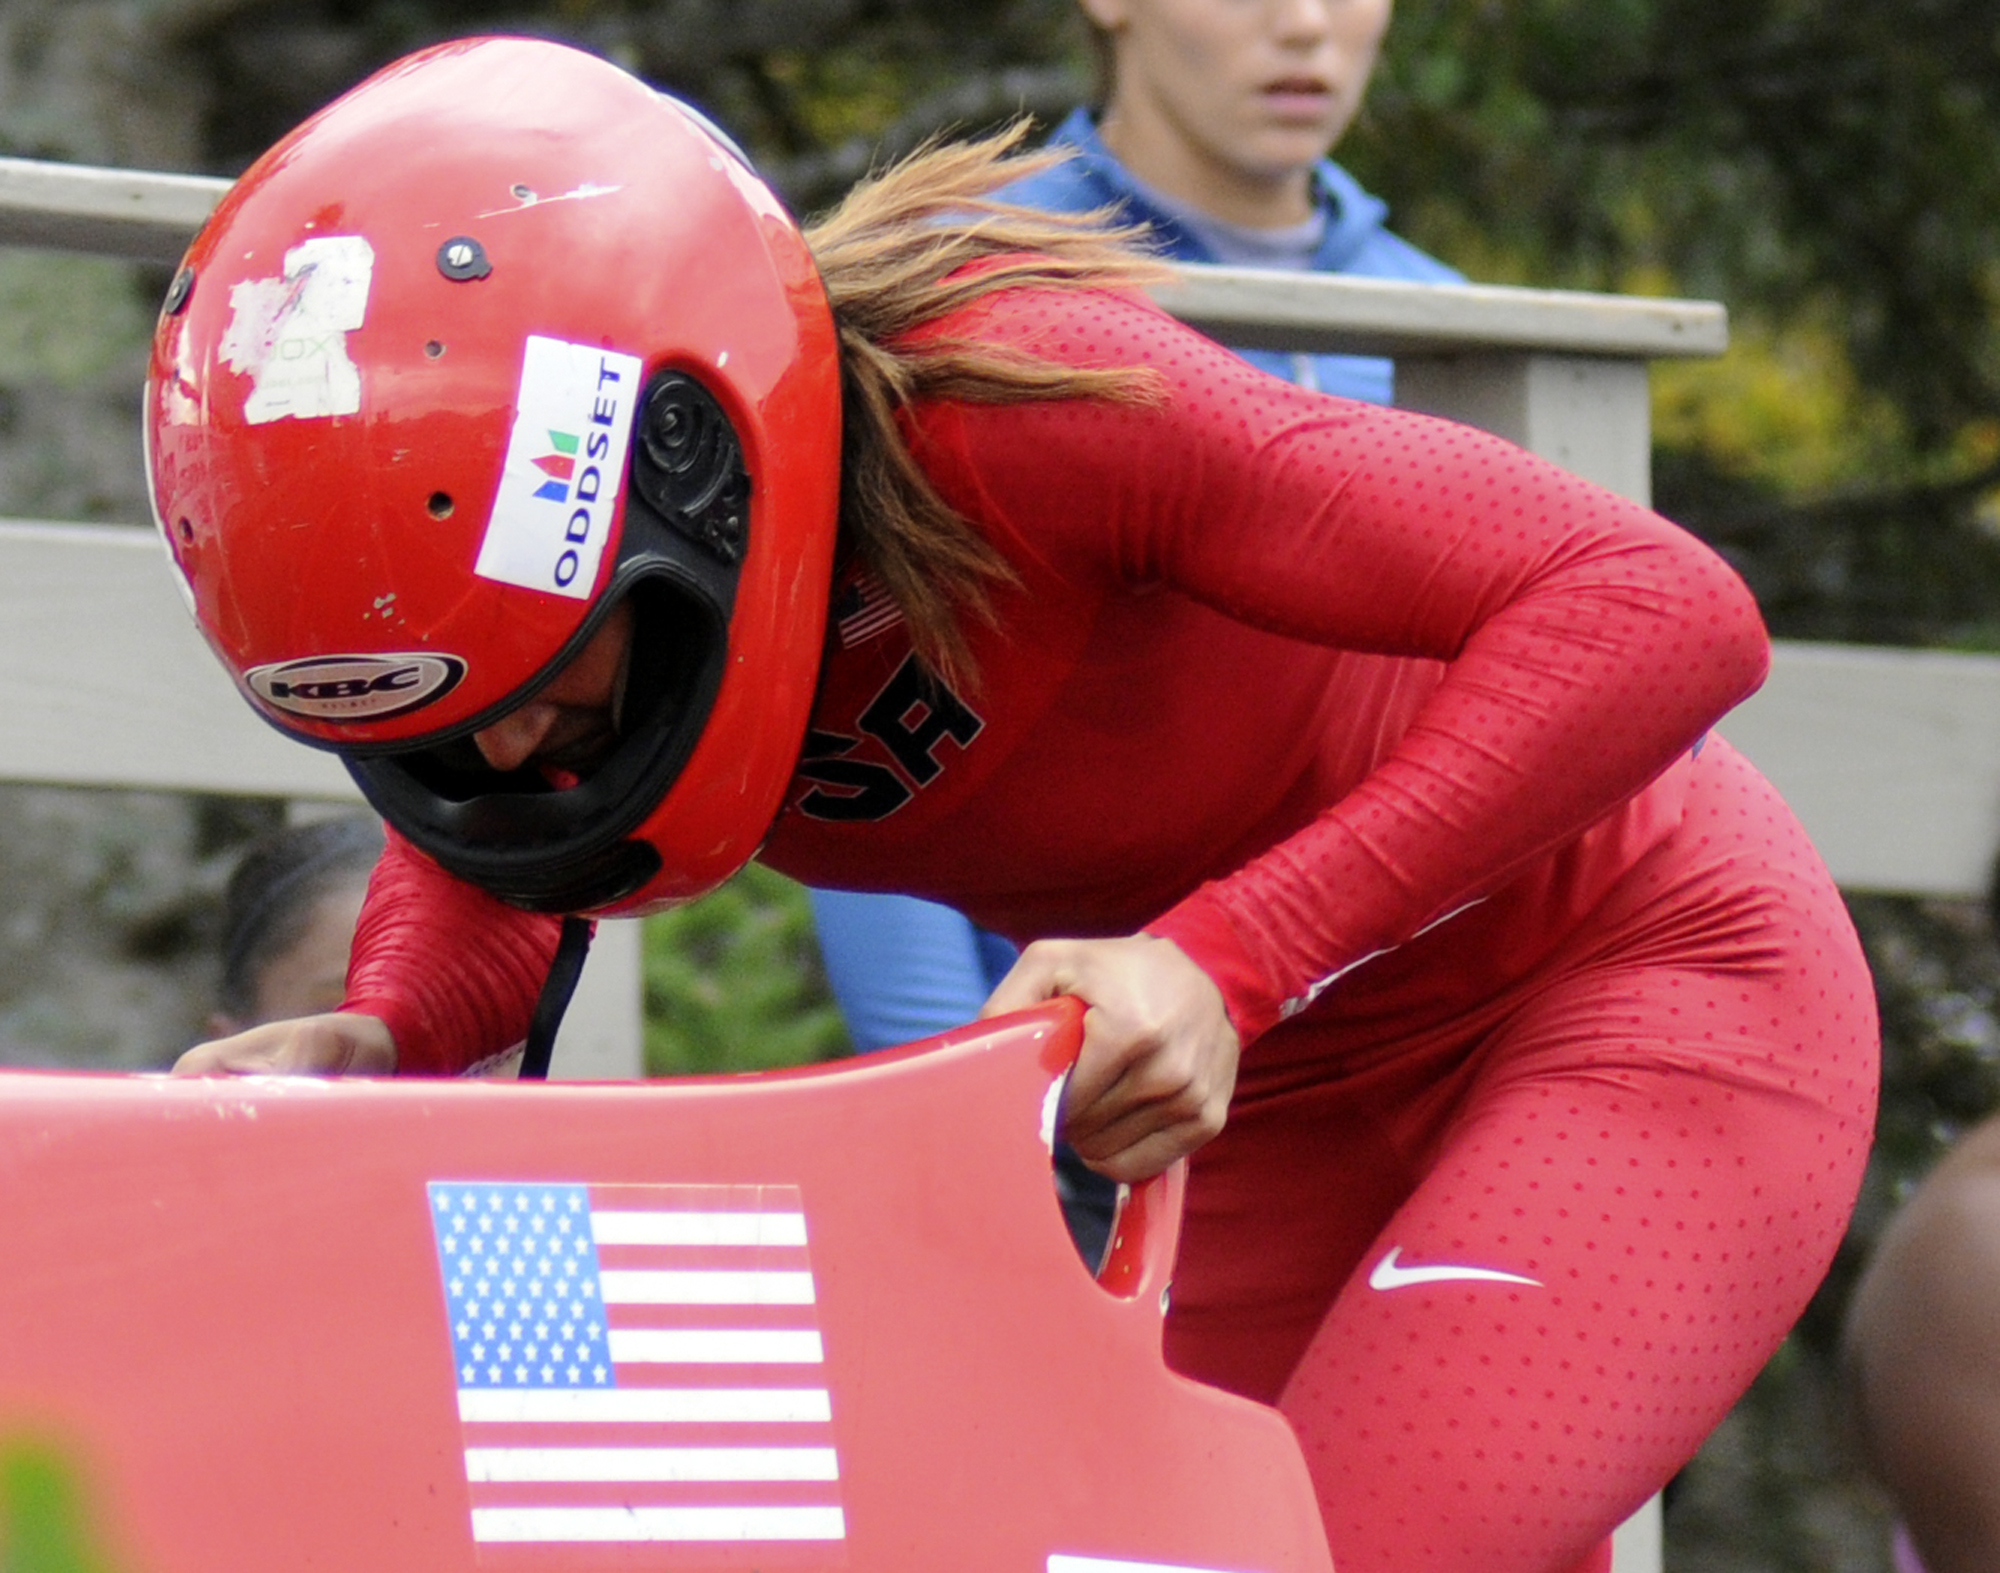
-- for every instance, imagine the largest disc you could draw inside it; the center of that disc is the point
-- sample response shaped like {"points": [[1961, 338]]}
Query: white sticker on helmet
{"points": [[565, 467], [289, 334], [356, 687]]}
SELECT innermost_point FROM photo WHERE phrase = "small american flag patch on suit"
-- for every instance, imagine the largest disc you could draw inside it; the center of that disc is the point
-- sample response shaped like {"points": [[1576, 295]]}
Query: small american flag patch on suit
{"points": [[639, 1367], [864, 609]]}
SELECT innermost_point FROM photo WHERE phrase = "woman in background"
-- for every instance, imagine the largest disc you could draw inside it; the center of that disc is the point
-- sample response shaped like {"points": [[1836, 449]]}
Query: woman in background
{"points": [[288, 915]]}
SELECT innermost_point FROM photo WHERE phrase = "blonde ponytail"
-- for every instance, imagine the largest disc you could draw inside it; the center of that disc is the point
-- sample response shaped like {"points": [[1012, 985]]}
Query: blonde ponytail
{"points": [[894, 256]]}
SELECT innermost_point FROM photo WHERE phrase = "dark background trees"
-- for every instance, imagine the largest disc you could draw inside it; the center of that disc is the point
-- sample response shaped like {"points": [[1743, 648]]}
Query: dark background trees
{"points": [[1828, 168]]}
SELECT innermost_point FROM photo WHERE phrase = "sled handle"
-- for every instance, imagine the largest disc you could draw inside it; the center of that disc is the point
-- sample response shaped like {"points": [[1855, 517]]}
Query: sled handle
{"points": [[1138, 1264]]}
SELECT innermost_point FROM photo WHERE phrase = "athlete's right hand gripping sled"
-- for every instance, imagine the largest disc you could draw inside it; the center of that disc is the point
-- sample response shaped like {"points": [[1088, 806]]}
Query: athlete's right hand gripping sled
{"points": [[813, 1320]]}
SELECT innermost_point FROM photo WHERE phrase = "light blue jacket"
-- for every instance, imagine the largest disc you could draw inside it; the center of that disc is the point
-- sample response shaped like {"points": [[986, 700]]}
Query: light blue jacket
{"points": [[1357, 241]]}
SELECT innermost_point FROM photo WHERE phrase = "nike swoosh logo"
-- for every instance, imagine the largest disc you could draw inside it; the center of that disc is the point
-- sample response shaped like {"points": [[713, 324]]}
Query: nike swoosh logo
{"points": [[1389, 1273]]}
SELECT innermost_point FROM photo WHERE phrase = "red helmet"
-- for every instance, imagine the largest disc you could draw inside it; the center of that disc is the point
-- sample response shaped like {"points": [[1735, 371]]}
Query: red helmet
{"points": [[496, 341]]}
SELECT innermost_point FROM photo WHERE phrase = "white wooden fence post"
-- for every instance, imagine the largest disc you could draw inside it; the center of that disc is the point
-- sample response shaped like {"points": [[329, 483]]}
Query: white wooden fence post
{"points": [[1588, 413], [1591, 415]]}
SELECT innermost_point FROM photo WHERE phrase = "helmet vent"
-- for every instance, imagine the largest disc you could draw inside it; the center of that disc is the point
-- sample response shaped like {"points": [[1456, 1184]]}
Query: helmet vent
{"points": [[440, 505], [688, 463]]}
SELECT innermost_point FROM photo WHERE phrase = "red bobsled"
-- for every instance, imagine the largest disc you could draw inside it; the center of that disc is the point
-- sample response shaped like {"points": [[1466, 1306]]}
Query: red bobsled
{"points": [[816, 1320]]}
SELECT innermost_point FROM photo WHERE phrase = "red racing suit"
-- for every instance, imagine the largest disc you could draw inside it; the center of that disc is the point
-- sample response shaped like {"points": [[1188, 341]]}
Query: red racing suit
{"points": [[1558, 1065]]}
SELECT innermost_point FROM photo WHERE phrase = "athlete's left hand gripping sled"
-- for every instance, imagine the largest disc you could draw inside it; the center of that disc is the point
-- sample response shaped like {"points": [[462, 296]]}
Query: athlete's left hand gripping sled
{"points": [[813, 1320]]}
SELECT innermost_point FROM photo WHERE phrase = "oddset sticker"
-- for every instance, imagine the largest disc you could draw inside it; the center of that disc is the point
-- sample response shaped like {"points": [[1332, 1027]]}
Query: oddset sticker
{"points": [[565, 466]]}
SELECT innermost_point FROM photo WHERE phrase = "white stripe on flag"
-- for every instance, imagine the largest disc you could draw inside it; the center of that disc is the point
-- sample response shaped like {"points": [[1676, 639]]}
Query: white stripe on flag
{"points": [[579, 1524], [508, 1405], [1062, 1564], [705, 1288], [715, 1346], [490, 1465], [867, 623], [640, 1228]]}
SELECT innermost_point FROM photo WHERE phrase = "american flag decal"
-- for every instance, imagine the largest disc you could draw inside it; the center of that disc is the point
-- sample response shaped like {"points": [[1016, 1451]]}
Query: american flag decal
{"points": [[640, 1367], [864, 609]]}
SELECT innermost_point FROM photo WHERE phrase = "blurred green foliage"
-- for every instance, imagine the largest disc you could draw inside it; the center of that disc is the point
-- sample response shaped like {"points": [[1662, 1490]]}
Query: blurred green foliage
{"points": [[733, 982], [1828, 168], [45, 1518], [66, 320]]}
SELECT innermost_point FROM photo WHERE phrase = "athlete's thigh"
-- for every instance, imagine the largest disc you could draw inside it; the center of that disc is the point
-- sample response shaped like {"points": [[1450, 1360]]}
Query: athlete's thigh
{"points": [[1280, 1208], [1626, 1217]]}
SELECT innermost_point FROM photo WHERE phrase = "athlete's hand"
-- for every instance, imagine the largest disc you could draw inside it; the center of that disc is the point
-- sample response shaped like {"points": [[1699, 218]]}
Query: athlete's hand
{"points": [[339, 1043], [1158, 1064]]}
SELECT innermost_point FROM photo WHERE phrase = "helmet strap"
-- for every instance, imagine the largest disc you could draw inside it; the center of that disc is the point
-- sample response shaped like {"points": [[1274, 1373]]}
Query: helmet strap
{"points": [[564, 969]]}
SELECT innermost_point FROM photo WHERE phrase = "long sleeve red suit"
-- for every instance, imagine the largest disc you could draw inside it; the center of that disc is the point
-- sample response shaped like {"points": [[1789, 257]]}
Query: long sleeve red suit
{"points": [[1398, 732]]}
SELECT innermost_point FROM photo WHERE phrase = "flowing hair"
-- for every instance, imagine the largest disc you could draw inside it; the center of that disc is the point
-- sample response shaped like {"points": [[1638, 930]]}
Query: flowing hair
{"points": [[896, 256]]}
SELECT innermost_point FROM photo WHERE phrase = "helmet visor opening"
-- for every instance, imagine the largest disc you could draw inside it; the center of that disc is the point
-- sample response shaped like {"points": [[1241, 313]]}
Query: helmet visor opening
{"points": [[517, 832]]}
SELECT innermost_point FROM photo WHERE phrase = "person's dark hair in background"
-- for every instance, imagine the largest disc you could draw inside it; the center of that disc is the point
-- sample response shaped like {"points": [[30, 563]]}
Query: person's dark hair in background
{"points": [[288, 920]]}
